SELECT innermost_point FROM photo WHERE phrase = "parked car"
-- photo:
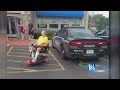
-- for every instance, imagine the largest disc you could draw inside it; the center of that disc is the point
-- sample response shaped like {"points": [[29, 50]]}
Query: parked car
{"points": [[78, 42], [104, 34]]}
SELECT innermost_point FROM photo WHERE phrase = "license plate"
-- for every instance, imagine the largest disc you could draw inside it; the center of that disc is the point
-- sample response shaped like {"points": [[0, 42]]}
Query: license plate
{"points": [[90, 52]]}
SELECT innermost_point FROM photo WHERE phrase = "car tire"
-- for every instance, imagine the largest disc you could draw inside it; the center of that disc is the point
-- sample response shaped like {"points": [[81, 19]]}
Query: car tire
{"points": [[62, 53], [53, 45]]}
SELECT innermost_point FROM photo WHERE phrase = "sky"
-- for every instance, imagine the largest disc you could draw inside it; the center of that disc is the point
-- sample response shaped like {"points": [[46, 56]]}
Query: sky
{"points": [[105, 13]]}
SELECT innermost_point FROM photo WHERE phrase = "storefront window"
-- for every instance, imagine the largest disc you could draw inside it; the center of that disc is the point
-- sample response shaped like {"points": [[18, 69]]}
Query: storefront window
{"points": [[75, 24], [53, 26], [42, 24]]}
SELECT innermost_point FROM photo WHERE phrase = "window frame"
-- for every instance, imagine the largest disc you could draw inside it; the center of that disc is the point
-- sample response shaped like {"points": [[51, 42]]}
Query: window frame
{"points": [[52, 27]]}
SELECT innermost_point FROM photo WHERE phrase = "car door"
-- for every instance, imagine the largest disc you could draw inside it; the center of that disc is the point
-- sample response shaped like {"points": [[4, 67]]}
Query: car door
{"points": [[56, 39], [55, 36], [62, 38], [57, 43]]}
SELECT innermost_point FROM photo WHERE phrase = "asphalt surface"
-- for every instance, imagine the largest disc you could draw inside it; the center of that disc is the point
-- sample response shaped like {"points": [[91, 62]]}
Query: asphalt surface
{"points": [[55, 69]]}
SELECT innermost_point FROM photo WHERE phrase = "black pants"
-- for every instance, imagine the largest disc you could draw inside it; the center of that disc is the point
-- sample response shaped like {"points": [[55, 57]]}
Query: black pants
{"points": [[31, 32]]}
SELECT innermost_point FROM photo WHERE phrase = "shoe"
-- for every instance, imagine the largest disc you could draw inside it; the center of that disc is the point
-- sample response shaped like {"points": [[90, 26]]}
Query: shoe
{"points": [[33, 61], [29, 62]]}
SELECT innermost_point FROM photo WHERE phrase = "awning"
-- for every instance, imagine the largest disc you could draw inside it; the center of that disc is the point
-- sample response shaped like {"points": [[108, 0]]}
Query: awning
{"points": [[60, 13]]}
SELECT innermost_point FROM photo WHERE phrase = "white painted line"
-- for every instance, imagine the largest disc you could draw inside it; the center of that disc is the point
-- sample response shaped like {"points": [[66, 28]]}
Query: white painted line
{"points": [[20, 53], [20, 50], [20, 47], [53, 64], [15, 61], [57, 61], [36, 71], [100, 71], [9, 50], [97, 65], [18, 56]]}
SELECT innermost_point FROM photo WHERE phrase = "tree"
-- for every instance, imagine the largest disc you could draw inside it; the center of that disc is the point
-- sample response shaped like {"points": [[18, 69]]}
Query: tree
{"points": [[100, 21], [90, 22]]}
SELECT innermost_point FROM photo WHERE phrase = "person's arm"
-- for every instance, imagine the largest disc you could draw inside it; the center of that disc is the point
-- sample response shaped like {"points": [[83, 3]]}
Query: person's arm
{"points": [[32, 28]]}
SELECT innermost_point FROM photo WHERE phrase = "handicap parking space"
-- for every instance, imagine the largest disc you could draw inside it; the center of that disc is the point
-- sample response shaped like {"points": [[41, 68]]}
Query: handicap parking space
{"points": [[17, 56]]}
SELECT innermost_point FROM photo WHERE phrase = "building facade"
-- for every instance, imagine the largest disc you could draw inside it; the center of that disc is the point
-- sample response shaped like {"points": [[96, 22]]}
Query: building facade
{"points": [[13, 19], [54, 20]]}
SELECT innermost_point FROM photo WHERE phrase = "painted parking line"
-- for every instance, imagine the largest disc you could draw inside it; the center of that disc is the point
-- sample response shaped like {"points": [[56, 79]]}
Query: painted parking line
{"points": [[83, 64], [21, 47], [18, 56], [20, 50], [12, 48], [15, 61], [57, 61], [19, 53], [31, 70], [22, 56], [24, 62], [100, 71], [9, 50]]}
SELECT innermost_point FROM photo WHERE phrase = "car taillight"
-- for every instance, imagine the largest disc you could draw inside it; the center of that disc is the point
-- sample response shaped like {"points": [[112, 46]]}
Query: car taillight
{"points": [[81, 43], [102, 43], [75, 43]]}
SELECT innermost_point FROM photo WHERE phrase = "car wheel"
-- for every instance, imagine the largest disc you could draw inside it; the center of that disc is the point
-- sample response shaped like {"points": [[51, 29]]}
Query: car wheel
{"points": [[53, 45], [62, 52]]}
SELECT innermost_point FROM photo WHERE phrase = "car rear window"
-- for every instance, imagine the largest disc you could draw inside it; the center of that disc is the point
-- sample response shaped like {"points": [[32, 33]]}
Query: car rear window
{"points": [[77, 32]]}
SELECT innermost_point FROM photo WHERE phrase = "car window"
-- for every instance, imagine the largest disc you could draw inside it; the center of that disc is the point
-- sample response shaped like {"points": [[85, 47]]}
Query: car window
{"points": [[103, 33], [100, 32], [76, 32], [64, 34], [60, 32], [107, 32]]}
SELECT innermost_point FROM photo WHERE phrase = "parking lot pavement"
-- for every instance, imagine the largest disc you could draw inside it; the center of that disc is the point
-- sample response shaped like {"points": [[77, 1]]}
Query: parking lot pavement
{"points": [[81, 66], [56, 68], [17, 55]]}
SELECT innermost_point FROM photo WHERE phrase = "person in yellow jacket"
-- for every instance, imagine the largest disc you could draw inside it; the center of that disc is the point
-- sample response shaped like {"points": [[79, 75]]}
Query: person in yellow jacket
{"points": [[41, 42]]}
